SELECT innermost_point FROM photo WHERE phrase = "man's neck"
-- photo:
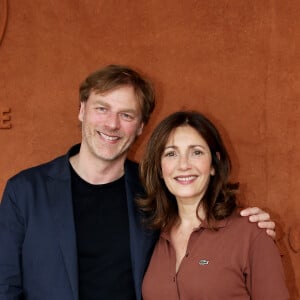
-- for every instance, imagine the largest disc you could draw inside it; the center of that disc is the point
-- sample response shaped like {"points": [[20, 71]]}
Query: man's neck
{"points": [[97, 171]]}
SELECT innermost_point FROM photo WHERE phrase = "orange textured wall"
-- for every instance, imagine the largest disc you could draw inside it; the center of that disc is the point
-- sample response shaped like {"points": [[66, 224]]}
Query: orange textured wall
{"points": [[237, 61]]}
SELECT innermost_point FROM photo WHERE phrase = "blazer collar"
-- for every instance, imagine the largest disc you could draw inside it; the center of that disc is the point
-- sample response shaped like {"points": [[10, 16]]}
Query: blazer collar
{"points": [[141, 240], [60, 198]]}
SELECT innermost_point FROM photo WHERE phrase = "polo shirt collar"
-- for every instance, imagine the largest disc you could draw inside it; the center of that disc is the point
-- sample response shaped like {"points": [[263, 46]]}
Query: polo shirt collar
{"points": [[219, 224]]}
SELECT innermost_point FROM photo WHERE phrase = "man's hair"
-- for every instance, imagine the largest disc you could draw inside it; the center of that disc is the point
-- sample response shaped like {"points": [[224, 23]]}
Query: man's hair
{"points": [[114, 76], [160, 205]]}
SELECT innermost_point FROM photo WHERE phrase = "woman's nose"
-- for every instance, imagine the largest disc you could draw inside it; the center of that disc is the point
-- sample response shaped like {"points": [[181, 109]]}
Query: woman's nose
{"points": [[184, 162]]}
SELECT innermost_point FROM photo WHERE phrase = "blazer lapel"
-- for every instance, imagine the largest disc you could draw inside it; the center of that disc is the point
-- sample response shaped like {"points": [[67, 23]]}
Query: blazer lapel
{"points": [[60, 201], [141, 240]]}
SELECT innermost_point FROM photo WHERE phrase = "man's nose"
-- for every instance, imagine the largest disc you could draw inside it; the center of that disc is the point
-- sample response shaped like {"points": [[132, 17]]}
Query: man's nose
{"points": [[112, 121]]}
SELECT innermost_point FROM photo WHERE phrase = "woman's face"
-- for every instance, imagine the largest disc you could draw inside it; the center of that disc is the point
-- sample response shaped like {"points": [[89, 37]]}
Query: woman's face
{"points": [[186, 164]]}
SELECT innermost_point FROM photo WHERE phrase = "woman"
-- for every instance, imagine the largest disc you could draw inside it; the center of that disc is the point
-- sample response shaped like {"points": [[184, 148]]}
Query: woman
{"points": [[205, 250]]}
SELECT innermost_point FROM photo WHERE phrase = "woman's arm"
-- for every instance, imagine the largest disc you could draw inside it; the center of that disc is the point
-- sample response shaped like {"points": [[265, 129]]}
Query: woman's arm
{"points": [[265, 277]]}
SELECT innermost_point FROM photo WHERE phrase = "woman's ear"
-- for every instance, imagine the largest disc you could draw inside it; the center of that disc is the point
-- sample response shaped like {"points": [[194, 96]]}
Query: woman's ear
{"points": [[212, 171]]}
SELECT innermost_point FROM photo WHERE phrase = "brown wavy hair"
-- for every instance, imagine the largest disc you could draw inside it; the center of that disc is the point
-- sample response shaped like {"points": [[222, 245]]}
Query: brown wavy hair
{"points": [[114, 76], [159, 204]]}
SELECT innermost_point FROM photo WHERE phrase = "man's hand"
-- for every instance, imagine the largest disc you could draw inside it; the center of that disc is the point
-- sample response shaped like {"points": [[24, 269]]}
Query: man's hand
{"points": [[256, 214]]}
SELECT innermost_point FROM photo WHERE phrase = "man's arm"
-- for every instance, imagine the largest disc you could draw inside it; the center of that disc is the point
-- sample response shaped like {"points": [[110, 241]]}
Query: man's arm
{"points": [[262, 218], [11, 240]]}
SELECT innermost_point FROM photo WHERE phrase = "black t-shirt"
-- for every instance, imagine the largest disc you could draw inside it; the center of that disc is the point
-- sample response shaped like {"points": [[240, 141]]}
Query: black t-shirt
{"points": [[102, 230]]}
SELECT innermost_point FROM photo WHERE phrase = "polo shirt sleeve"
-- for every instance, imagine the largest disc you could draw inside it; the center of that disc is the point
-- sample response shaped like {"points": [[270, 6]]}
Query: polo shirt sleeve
{"points": [[266, 279]]}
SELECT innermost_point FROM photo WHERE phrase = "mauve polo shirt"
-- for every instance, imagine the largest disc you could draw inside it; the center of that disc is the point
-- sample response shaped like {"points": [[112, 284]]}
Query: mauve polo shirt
{"points": [[239, 261]]}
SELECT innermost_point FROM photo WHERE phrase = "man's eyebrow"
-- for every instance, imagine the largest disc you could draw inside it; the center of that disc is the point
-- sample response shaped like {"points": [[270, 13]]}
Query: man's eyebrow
{"points": [[107, 104], [100, 101]]}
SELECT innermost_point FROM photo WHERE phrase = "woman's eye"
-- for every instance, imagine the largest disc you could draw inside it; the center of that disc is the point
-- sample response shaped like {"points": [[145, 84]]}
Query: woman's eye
{"points": [[198, 152], [170, 154]]}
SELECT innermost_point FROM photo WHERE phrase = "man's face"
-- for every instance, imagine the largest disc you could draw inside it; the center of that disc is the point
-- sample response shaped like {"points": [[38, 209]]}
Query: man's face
{"points": [[110, 123]]}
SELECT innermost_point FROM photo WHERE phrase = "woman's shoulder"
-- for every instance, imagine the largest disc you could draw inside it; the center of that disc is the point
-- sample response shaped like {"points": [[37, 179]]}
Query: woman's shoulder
{"points": [[241, 225], [248, 235]]}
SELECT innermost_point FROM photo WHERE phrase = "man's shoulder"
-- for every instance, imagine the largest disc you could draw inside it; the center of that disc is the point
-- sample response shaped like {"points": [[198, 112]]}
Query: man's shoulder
{"points": [[131, 168], [132, 173], [131, 164], [55, 165]]}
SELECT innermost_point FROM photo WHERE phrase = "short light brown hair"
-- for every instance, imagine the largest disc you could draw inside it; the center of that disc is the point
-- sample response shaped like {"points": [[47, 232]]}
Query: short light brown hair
{"points": [[114, 76]]}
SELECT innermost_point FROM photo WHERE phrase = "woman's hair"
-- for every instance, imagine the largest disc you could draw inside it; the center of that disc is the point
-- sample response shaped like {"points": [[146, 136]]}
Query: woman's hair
{"points": [[114, 76], [159, 204]]}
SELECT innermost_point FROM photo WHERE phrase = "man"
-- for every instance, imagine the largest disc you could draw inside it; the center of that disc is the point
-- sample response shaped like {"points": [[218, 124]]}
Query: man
{"points": [[69, 229]]}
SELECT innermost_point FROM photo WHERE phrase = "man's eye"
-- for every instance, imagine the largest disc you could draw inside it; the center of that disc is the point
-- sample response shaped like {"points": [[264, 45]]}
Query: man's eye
{"points": [[126, 116], [101, 109]]}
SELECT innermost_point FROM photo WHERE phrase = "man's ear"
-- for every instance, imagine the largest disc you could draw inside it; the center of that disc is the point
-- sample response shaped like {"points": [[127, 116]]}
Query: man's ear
{"points": [[81, 111], [140, 129]]}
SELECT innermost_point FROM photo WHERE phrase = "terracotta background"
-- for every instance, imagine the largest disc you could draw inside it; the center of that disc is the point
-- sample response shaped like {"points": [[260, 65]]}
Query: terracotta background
{"points": [[238, 61]]}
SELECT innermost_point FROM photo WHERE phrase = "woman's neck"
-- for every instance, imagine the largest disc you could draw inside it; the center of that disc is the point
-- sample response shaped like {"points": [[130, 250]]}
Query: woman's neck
{"points": [[187, 213]]}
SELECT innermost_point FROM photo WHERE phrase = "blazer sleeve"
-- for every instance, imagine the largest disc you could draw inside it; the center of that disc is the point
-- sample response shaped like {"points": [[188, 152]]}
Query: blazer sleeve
{"points": [[266, 279], [12, 231]]}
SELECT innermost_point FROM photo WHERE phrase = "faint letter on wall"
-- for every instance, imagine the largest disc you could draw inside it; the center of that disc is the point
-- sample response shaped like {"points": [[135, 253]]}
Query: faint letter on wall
{"points": [[5, 118]]}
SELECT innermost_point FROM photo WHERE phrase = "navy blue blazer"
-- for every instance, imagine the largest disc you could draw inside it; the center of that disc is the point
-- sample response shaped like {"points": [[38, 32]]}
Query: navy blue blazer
{"points": [[38, 255]]}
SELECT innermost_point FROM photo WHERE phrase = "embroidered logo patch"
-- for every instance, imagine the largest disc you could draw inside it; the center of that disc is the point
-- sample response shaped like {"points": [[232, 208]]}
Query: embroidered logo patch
{"points": [[203, 262]]}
